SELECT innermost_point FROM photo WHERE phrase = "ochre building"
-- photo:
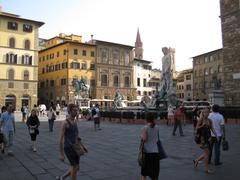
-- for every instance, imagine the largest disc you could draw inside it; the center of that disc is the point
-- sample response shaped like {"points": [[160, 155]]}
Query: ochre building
{"points": [[18, 60], [63, 59]]}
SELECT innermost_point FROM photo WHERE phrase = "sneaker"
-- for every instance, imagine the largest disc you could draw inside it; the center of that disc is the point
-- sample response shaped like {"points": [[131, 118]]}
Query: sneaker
{"points": [[34, 150], [10, 153], [218, 164]]}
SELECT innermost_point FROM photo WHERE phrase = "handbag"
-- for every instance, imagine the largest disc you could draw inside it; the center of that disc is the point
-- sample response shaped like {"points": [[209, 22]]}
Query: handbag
{"points": [[161, 152], [225, 145], [79, 148], [141, 155]]}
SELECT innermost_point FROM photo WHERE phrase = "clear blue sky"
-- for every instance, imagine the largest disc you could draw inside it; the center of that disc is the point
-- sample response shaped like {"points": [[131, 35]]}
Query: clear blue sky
{"points": [[192, 27]]}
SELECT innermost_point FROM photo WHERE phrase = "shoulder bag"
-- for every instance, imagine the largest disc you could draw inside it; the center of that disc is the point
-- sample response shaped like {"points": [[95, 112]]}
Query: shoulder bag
{"points": [[161, 151]]}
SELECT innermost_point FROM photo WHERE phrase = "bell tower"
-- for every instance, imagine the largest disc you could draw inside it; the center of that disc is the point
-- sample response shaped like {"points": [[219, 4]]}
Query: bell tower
{"points": [[138, 47]]}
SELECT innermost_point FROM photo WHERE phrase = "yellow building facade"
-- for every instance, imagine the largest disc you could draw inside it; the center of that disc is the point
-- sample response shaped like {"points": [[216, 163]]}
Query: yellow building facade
{"points": [[18, 60], [64, 59]]}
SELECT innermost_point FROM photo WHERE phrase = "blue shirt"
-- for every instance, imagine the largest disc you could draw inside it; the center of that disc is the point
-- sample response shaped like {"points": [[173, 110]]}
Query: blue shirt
{"points": [[7, 120]]}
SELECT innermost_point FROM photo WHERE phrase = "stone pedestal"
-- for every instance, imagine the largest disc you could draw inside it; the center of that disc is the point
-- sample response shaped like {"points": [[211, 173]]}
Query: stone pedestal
{"points": [[217, 97]]}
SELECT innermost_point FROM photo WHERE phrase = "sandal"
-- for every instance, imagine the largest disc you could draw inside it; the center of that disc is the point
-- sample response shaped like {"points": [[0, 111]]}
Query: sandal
{"points": [[195, 163]]}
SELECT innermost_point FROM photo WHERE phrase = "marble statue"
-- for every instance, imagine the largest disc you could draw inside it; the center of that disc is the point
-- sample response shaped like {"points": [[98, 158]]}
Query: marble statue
{"points": [[118, 100], [80, 86]]}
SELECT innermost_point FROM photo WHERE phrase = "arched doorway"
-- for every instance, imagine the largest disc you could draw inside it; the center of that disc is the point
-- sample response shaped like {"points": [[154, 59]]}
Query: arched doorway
{"points": [[10, 100]]}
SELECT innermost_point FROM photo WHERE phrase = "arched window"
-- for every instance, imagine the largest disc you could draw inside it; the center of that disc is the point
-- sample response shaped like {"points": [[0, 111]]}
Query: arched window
{"points": [[10, 74], [27, 44], [12, 42], [26, 59], [115, 81], [26, 75], [126, 81]]}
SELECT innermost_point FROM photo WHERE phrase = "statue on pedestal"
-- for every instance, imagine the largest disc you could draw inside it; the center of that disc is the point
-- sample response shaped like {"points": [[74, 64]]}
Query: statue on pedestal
{"points": [[80, 86]]}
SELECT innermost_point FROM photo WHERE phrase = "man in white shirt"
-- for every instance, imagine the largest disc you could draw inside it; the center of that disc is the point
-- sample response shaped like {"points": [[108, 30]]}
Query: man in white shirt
{"points": [[218, 124]]}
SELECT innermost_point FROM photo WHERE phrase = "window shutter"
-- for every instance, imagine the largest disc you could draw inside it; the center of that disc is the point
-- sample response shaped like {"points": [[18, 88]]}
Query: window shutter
{"points": [[30, 60]]}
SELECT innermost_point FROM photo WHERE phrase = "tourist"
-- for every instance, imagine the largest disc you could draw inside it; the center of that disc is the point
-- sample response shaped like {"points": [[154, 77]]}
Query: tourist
{"points": [[178, 115], [150, 137], [24, 111], [195, 116], [58, 108], [65, 111], [68, 136], [96, 117], [218, 124], [7, 124], [170, 119], [2, 139], [33, 124], [51, 118], [203, 128]]}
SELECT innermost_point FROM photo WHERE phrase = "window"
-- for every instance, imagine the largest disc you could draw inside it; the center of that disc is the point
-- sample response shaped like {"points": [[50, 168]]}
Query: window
{"points": [[138, 82], [26, 59], [139, 93], [26, 75], [11, 58], [11, 74], [206, 59], [84, 53], [12, 25], [75, 51], [27, 28], [144, 83], [92, 54], [127, 58], [211, 70], [64, 52], [104, 80], [145, 93], [58, 54], [211, 58], [104, 55], [27, 44], [63, 82], [116, 57], [126, 82], [51, 83], [10, 85], [188, 87], [43, 70], [115, 81], [149, 93], [75, 65], [64, 65], [84, 66], [92, 66], [12, 42], [205, 71], [25, 86], [188, 77], [57, 67]]}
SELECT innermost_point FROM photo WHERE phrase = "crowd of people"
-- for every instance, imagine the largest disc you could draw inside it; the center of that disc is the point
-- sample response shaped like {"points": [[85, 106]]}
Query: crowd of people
{"points": [[208, 125]]}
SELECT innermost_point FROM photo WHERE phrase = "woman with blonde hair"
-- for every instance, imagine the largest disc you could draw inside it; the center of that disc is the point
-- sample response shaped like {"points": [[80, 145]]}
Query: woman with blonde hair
{"points": [[203, 129]]}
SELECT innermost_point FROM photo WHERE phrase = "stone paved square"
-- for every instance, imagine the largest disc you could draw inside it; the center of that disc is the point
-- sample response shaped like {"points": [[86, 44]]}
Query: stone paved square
{"points": [[113, 154]]}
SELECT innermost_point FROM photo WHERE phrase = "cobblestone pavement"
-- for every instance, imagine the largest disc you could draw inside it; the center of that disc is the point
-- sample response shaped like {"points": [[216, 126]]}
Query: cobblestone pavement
{"points": [[113, 154]]}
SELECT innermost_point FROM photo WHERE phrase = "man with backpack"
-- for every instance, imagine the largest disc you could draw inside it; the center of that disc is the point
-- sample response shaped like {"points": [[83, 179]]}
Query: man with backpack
{"points": [[96, 117]]}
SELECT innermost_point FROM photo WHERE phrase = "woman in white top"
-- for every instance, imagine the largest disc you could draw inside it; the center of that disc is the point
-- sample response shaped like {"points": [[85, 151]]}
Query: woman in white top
{"points": [[170, 119], [51, 118], [150, 137]]}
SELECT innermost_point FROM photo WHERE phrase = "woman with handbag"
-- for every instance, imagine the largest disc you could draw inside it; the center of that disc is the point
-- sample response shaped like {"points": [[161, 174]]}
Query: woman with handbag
{"points": [[68, 137], [150, 138], [51, 118], [203, 130], [33, 124]]}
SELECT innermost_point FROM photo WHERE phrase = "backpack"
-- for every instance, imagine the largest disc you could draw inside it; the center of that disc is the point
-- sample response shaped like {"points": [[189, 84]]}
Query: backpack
{"points": [[94, 111]]}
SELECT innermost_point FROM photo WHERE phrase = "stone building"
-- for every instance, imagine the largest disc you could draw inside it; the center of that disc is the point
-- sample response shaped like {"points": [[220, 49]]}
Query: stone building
{"points": [[114, 70], [184, 85], [206, 67], [230, 21], [18, 60]]}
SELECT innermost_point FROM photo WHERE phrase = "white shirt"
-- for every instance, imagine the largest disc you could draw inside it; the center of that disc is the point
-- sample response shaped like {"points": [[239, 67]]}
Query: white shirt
{"points": [[170, 111], [217, 121]]}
